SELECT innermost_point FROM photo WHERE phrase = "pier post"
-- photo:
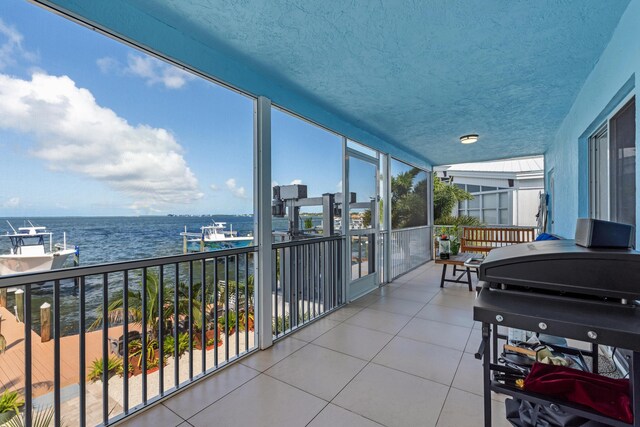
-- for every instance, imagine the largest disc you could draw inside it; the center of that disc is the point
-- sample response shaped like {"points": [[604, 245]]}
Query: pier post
{"points": [[3, 297], [20, 304], [45, 322]]}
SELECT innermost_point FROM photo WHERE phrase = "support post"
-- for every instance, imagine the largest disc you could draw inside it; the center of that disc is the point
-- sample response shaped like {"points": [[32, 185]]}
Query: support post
{"points": [[346, 248], [3, 297], [45, 322], [388, 274], [20, 305], [262, 220]]}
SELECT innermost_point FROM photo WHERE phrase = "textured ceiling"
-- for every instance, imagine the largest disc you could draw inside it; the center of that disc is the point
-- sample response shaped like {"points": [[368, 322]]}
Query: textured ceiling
{"points": [[416, 74]]}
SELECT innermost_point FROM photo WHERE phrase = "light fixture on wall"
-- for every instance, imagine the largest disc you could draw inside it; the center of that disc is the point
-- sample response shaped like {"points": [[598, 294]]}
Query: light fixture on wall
{"points": [[469, 139]]}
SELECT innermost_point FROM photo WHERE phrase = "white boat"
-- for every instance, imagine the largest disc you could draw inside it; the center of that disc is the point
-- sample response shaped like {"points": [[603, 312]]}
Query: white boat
{"points": [[213, 237], [28, 252]]}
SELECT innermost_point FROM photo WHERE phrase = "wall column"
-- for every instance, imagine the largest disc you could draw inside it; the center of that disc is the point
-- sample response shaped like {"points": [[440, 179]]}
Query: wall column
{"points": [[262, 220]]}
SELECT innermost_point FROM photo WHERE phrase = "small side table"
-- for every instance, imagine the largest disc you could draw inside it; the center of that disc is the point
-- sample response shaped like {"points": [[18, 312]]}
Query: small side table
{"points": [[460, 260]]}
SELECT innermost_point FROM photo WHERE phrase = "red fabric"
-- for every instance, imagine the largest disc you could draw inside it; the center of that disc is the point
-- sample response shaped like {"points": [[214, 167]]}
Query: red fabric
{"points": [[606, 395]]}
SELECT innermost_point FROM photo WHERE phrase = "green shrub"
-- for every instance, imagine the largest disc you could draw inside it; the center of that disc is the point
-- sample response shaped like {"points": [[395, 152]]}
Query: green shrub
{"points": [[114, 367]]}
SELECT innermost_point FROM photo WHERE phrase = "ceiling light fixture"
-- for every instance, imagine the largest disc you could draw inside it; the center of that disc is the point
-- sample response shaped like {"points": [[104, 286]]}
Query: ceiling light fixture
{"points": [[469, 139]]}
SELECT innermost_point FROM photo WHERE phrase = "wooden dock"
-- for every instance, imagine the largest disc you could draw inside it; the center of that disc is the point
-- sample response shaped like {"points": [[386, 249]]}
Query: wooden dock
{"points": [[12, 361]]}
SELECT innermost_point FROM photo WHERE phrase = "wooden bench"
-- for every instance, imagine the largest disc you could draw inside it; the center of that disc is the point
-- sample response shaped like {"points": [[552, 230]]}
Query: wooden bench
{"points": [[484, 239]]}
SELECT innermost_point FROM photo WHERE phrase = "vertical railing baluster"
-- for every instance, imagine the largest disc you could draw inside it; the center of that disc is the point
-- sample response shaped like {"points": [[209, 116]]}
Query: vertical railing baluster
{"points": [[226, 308], [277, 259], [105, 349], [56, 351], [125, 343], [287, 282], [161, 331], [82, 356], [237, 304], [145, 340], [203, 312], [314, 257], [190, 314], [28, 397], [246, 301], [176, 337], [215, 313], [292, 283]]}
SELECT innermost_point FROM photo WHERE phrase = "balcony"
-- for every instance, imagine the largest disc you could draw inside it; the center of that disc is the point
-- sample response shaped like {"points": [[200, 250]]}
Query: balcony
{"points": [[402, 355]]}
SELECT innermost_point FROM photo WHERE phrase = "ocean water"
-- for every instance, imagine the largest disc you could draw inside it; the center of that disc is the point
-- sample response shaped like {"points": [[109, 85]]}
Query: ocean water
{"points": [[110, 239]]}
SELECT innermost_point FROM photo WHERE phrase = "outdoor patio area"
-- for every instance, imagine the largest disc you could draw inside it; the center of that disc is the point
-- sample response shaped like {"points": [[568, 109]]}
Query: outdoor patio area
{"points": [[401, 356]]}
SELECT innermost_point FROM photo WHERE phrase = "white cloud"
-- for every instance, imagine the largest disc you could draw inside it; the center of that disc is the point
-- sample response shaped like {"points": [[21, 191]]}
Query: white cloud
{"points": [[232, 186], [12, 46], [296, 182], [339, 185], [12, 202], [152, 70], [214, 187], [274, 183], [74, 134]]}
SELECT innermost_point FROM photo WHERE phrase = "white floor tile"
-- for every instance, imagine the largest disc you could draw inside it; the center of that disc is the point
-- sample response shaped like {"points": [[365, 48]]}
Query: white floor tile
{"points": [[444, 314], [197, 397], [263, 360], [393, 398], [263, 401], [335, 416], [463, 409], [317, 370], [425, 360], [382, 321], [439, 333], [354, 341]]}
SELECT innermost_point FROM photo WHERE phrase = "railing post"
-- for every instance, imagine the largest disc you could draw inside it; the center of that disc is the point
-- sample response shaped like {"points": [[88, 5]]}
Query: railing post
{"points": [[388, 274], [45, 322], [262, 220], [3, 297]]}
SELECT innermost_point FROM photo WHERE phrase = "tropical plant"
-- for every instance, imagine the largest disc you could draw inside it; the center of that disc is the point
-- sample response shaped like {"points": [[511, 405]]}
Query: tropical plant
{"points": [[136, 350], [183, 344], [246, 320], [10, 403], [40, 417], [281, 324], [308, 223], [459, 220], [114, 367], [153, 320], [445, 197], [409, 199], [229, 319]]}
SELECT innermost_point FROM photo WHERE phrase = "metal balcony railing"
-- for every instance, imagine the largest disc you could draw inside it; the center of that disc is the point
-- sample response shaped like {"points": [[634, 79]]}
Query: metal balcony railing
{"points": [[410, 247], [307, 281], [114, 338]]}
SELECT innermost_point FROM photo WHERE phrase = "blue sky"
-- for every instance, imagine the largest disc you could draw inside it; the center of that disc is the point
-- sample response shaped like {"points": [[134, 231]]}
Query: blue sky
{"points": [[89, 126]]}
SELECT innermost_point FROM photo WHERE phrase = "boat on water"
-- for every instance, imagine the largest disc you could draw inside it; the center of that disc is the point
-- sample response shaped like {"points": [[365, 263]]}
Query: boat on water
{"points": [[213, 237], [28, 252]]}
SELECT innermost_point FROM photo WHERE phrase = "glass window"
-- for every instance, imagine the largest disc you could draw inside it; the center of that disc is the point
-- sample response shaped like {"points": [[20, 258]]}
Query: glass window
{"points": [[489, 188], [129, 136], [474, 213], [461, 186], [362, 148], [490, 216], [474, 203], [504, 217], [296, 148], [504, 199], [623, 164], [490, 201], [410, 195], [473, 188]]}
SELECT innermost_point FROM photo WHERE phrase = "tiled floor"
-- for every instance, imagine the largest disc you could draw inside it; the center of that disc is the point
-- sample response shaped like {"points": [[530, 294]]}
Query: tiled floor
{"points": [[401, 356]]}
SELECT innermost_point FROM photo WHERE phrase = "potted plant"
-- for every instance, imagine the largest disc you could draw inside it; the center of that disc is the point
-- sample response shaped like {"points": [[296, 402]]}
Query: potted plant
{"points": [[230, 321]]}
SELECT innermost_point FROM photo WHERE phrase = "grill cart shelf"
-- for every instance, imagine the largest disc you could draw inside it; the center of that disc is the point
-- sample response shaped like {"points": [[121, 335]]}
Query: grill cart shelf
{"points": [[565, 318]]}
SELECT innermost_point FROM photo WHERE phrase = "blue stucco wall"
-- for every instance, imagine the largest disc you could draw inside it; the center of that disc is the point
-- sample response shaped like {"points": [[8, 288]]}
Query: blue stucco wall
{"points": [[613, 78]]}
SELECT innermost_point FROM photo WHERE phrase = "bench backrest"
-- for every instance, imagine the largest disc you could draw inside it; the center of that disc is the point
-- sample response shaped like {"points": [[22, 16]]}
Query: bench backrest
{"points": [[483, 239]]}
